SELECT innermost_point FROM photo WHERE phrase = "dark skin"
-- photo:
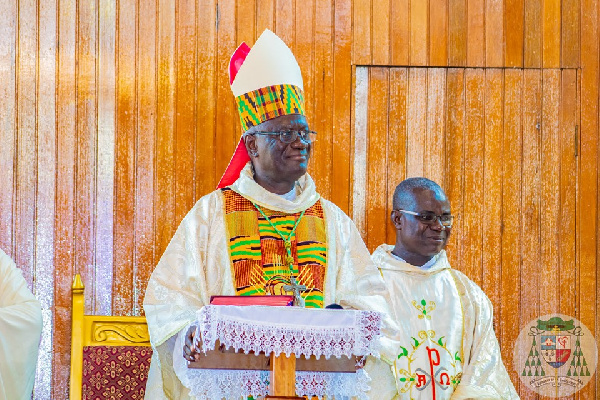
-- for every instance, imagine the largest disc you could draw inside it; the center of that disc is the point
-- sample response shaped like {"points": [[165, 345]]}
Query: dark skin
{"points": [[277, 167], [190, 351], [417, 242]]}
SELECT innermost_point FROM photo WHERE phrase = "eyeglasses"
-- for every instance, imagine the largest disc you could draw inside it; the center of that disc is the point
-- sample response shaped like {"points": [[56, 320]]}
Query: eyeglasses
{"points": [[429, 218], [288, 137]]}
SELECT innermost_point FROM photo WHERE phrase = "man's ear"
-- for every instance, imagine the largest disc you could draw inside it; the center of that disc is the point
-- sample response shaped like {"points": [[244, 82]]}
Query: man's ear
{"points": [[251, 145], [396, 217]]}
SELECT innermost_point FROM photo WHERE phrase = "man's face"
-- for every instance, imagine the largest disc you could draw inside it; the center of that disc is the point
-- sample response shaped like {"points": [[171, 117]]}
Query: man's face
{"points": [[277, 160], [415, 237]]}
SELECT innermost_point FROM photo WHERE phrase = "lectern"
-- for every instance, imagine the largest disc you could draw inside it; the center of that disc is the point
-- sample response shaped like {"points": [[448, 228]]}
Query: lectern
{"points": [[280, 352]]}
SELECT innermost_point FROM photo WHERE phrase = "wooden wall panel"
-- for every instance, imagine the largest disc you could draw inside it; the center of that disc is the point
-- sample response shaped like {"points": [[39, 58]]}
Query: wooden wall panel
{"points": [[185, 99], [125, 142], [8, 92], [492, 185], [86, 146], [46, 191], [341, 124], [514, 32], [284, 21], [455, 131], [105, 172], [399, 31], [377, 215], [568, 191], [476, 33], [457, 32], [265, 16], [396, 165], [206, 91], [551, 36], [164, 195], [227, 135], [419, 32], [145, 257], [550, 196], [438, 35], [435, 146], [381, 32], [570, 31], [322, 95], [359, 146], [416, 122], [25, 177], [64, 251], [473, 173], [116, 117], [303, 29], [533, 34], [510, 274], [494, 33], [530, 206], [587, 222], [361, 38]]}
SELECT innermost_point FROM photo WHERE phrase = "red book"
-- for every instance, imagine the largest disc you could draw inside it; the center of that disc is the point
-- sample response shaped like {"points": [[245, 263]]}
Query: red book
{"points": [[273, 300]]}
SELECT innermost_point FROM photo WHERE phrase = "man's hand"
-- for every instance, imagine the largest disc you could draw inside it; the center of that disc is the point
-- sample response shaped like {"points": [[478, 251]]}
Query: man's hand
{"points": [[190, 351]]}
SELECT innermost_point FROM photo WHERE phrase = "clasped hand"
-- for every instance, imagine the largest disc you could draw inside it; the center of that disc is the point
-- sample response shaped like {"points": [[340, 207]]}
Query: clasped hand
{"points": [[191, 350]]}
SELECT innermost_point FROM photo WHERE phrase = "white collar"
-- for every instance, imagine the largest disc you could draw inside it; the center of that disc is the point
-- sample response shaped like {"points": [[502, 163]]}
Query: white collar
{"points": [[305, 193], [384, 259], [425, 266]]}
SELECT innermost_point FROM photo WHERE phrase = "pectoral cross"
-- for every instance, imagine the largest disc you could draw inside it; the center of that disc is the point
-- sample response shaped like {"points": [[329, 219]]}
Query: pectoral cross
{"points": [[295, 288]]}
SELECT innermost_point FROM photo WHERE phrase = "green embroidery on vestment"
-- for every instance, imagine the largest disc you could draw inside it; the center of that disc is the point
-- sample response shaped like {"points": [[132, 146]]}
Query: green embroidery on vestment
{"points": [[424, 308]]}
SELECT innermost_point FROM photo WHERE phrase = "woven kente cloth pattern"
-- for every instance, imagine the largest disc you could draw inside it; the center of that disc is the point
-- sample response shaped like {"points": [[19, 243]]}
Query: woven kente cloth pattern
{"points": [[269, 102], [258, 253], [115, 372]]}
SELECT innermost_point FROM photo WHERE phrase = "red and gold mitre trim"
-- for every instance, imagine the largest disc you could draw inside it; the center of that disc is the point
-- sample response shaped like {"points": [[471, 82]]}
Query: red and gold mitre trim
{"points": [[269, 102]]}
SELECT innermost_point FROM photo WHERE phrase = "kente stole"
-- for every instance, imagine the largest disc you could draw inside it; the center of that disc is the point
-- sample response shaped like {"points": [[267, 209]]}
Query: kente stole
{"points": [[258, 254]]}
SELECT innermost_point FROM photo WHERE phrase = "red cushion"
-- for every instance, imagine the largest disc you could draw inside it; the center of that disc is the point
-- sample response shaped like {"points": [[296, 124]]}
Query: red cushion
{"points": [[118, 372]]}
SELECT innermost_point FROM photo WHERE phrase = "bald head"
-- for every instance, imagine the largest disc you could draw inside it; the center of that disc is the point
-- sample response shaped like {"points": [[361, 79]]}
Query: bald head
{"points": [[404, 195]]}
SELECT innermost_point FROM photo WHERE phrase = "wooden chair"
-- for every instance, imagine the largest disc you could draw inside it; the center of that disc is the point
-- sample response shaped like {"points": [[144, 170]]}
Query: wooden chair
{"points": [[110, 355]]}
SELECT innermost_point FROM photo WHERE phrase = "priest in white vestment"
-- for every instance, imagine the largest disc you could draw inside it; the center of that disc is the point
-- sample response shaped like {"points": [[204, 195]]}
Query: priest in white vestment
{"points": [[264, 225], [20, 332], [443, 344]]}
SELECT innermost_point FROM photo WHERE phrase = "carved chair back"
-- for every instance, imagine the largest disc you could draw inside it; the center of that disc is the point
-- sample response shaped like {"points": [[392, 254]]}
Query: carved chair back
{"points": [[110, 355]]}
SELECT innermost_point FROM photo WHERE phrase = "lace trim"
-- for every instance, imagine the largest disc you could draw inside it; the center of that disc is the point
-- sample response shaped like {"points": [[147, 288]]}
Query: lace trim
{"points": [[336, 385], [359, 337], [208, 384]]}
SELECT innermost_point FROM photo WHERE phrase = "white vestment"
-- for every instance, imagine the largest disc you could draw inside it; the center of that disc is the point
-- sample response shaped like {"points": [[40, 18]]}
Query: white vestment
{"points": [[196, 265], [20, 332], [443, 327]]}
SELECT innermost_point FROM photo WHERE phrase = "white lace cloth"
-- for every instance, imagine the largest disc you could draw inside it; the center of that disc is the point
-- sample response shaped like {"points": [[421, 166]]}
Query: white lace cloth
{"points": [[301, 331], [287, 330]]}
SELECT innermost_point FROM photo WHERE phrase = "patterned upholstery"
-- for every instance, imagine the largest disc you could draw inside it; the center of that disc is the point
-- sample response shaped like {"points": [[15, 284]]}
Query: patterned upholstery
{"points": [[115, 372], [110, 355]]}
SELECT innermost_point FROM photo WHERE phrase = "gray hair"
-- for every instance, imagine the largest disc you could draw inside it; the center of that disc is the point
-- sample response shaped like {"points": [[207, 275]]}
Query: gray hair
{"points": [[404, 193]]}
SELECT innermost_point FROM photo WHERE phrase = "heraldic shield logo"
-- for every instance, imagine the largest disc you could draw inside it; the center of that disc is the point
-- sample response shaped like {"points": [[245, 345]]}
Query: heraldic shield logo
{"points": [[555, 355]]}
